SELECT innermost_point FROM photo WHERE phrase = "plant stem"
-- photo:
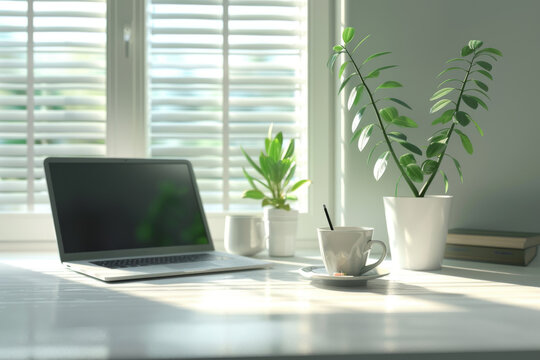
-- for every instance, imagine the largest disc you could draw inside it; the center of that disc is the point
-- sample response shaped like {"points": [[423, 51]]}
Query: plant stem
{"points": [[426, 185], [388, 143]]}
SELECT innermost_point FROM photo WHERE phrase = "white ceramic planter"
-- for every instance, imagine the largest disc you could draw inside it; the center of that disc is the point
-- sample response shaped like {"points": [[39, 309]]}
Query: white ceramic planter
{"points": [[417, 230], [281, 227]]}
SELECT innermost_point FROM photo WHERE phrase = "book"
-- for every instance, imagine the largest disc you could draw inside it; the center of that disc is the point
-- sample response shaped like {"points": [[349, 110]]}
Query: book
{"points": [[491, 254], [498, 239]]}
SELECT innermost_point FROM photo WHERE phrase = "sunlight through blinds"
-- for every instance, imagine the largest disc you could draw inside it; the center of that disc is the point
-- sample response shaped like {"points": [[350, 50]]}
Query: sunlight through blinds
{"points": [[52, 92], [222, 71]]}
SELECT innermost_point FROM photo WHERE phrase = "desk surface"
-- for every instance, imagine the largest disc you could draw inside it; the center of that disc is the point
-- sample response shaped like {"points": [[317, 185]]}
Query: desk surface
{"points": [[464, 309]]}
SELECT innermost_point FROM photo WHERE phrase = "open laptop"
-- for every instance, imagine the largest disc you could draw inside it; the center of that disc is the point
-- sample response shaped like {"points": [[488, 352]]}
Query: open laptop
{"points": [[120, 219]]}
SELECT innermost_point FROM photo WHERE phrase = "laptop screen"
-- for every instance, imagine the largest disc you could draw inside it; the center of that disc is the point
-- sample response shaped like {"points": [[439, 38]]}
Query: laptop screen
{"points": [[104, 206]]}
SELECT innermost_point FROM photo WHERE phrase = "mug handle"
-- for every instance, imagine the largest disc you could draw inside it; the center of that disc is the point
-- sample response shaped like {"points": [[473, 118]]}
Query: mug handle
{"points": [[381, 259]]}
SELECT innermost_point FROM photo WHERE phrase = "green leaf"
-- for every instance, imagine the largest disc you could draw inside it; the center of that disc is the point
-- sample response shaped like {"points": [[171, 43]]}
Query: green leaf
{"points": [[371, 57], [290, 150], [400, 102], [355, 96], [479, 101], [348, 34], [465, 51], [440, 93], [397, 184], [274, 152], [375, 73], [358, 118], [298, 184], [252, 163], [455, 59], [491, 51], [404, 121], [429, 166], [364, 136], [360, 43], [485, 73], [388, 114], [414, 172], [438, 138], [338, 48], [465, 141], [470, 100], [332, 61], [373, 150], [249, 179], [435, 149], [397, 136], [458, 167], [344, 83], [445, 179], [389, 85], [450, 69], [289, 176], [445, 117], [481, 85], [342, 68], [292, 197], [279, 136], [439, 105], [380, 165], [480, 92], [407, 159], [448, 80], [253, 194], [437, 134], [485, 65], [267, 142], [411, 147], [475, 44], [463, 118], [478, 127]]}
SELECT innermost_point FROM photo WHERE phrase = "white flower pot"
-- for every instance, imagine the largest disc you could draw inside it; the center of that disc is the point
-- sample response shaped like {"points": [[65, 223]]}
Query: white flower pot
{"points": [[417, 230], [280, 226]]}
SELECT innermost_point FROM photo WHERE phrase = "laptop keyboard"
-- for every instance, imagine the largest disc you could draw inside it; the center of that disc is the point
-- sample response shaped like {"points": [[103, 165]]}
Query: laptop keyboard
{"points": [[158, 260]]}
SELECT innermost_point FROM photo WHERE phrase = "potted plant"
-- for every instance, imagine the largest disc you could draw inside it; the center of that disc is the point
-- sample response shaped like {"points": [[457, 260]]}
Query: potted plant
{"points": [[417, 225], [276, 168]]}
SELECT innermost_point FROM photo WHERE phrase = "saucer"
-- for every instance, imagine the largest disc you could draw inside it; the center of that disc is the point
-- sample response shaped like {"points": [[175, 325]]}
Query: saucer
{"points": [[318, 273]]}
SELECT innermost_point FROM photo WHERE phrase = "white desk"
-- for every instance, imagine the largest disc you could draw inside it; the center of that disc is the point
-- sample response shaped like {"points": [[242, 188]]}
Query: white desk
{"points": [[467, 310]]}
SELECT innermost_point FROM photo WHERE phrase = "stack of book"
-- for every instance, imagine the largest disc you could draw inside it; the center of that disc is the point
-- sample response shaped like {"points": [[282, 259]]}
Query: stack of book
{"points": [[501, 247]]}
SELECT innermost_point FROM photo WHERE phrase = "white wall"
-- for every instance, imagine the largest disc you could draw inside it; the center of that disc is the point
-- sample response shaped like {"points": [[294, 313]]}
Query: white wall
{"points": [[501, 179]]}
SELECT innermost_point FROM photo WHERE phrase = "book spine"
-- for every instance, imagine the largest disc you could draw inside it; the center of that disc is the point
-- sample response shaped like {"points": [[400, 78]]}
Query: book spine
{"points": [[489, 254], [486, 241]]}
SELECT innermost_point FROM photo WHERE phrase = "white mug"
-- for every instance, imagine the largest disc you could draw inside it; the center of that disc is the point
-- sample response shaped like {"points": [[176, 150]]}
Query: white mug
{"points": [[345, 250], [244, 234]]}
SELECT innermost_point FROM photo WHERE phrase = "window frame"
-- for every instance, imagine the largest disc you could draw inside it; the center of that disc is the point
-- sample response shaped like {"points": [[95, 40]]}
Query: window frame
{"points": [[128, 106]]}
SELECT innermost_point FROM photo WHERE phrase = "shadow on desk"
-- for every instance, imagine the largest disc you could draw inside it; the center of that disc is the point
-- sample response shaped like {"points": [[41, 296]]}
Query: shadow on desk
{"points": [[50, 312]]}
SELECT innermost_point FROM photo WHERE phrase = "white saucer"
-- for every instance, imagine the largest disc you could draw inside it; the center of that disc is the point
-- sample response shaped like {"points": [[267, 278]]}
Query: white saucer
{"points": [[318, 273]]}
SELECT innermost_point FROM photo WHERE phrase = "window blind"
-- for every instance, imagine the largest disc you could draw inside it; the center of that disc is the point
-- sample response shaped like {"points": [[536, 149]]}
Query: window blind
{"points": [[222, 71], [52, 92]]}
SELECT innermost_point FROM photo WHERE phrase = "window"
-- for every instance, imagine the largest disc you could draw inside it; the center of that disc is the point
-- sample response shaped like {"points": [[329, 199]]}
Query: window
{"points": [[52, 92], [219, 73]]}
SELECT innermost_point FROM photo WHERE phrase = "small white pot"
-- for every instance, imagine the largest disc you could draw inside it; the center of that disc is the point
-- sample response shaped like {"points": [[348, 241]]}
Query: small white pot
{"points": [[280, 226], [417, 230]]}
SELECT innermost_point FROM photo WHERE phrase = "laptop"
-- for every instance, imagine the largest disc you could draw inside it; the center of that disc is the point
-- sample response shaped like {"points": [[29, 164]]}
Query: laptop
{"points": [[122, 219]]}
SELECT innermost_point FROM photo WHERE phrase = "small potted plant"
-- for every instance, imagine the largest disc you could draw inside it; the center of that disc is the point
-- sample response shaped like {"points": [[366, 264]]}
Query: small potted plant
{"points": [[417, 225], [273, 187]]}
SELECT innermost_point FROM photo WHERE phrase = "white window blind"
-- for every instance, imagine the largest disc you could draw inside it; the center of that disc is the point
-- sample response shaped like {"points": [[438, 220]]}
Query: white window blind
{"points": [[222, 71], [52, 92]]}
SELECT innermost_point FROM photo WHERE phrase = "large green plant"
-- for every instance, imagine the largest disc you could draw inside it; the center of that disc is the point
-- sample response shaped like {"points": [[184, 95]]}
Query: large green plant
{"points": [[277, 168], [472, 63]]}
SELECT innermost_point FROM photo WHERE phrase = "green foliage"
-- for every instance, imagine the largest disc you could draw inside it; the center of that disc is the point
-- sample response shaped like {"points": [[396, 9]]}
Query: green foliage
{"points": [[471, 91], [276, 169]]}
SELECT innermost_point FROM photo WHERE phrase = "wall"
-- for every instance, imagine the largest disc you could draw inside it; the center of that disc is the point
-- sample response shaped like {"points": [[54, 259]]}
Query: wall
{"points": [[501, 178]]}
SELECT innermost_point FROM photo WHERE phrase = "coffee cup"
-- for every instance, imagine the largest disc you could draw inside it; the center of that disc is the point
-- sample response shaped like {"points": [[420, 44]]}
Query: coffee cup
{"points": [[345, 250], [244, 234]]}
